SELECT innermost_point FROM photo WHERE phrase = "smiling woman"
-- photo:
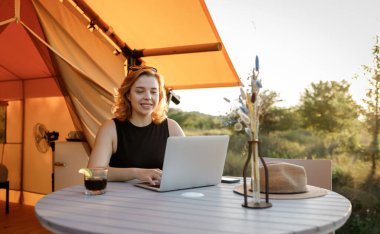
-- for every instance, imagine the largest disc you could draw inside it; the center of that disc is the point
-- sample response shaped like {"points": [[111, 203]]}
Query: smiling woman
{"points": [[133, 144]]}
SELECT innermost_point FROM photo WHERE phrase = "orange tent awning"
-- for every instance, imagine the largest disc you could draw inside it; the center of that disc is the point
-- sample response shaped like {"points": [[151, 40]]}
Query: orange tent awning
{"points": [[147, 25], [150, 24]]}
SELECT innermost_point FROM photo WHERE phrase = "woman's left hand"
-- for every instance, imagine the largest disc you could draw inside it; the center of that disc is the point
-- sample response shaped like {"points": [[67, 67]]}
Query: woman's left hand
{"points": [[153, 176]]}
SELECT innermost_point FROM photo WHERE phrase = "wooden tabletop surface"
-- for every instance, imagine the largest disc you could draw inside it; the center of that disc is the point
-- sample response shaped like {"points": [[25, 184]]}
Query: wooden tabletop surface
{"points": [[125, 208]]}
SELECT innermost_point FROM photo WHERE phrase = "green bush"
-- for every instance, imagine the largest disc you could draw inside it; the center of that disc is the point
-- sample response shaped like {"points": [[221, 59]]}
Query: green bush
{"points": [[365, 212], [236, 155], [341, 178], [234, 164], [364, 197], [275, 146]]}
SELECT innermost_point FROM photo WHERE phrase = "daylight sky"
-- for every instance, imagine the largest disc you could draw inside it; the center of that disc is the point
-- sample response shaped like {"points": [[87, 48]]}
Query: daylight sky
{"points": [[298, 42]]}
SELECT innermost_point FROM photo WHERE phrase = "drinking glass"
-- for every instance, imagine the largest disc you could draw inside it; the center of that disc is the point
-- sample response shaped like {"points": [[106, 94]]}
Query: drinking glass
{"points": [[95, 182]]}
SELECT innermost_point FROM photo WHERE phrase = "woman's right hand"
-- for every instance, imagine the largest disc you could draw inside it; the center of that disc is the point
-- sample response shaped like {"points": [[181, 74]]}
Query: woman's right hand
{"points": [[152, 176]]}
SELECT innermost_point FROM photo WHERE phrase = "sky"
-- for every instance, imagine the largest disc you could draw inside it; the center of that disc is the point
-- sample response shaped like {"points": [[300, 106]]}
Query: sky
{"points": [[298, 42]]}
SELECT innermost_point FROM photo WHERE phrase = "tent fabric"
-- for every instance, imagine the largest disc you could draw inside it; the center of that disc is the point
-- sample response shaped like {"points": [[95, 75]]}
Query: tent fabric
{"points": [[91, 102], [88, 51], [29, 70], [12, 156], [31, 74], [90, 83], [21, 52], [16, 44], [7, 10]]}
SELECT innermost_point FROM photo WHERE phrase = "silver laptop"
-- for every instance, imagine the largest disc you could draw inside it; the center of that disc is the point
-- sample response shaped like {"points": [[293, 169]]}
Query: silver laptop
{"points": [[192, 161]]}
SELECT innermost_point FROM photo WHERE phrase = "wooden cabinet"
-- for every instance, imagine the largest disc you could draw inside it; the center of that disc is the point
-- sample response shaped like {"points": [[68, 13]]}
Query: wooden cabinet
{"points": [[69, 157]]}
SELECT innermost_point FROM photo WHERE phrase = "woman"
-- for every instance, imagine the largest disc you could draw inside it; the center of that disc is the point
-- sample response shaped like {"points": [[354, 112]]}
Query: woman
{"points": [[133, 144]]}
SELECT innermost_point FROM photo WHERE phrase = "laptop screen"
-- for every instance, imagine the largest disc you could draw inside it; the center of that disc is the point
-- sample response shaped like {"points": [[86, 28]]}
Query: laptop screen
{"points": [[193, 161]]}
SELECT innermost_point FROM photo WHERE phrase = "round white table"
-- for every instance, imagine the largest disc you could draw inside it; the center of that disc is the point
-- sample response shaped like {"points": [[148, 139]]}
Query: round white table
{"points": [[125, 208]]}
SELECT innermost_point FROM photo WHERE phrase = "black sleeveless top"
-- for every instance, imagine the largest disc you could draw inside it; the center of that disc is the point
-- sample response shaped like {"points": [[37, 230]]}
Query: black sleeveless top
{"points": [[142, 147]]}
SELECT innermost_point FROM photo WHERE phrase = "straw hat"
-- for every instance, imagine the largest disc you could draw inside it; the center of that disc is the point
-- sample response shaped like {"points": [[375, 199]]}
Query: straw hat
{"points": [[286, 181]]}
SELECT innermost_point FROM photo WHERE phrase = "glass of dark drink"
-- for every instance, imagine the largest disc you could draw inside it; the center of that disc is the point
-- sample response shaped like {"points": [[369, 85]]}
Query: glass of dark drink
{"points": [[95, 181]]}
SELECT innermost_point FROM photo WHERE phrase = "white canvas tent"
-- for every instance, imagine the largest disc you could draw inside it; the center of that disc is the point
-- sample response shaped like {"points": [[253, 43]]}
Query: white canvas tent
{"points": [[56, 70]]}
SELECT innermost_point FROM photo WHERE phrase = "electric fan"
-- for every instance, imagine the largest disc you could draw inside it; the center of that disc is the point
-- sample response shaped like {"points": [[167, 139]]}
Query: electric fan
{"points": [[43, 138]]}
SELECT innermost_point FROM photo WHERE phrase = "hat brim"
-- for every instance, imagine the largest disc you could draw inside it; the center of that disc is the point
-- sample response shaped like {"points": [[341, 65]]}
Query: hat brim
{"points": [[312, 192]]}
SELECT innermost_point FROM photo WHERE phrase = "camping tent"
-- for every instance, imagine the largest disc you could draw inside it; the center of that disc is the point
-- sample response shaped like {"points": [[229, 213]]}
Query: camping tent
{"points": [[60, 61]]}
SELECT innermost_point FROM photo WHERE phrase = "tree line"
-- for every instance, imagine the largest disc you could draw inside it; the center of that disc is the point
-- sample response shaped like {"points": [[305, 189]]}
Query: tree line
{"points": [[326, 122]]}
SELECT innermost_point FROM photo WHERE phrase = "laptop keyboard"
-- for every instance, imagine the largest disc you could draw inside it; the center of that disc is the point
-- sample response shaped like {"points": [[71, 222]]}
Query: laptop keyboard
{"points": [[151, 185]]}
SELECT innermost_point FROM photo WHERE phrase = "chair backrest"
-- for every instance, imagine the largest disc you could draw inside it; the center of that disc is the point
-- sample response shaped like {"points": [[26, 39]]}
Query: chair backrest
{"points": [[318, 171]]}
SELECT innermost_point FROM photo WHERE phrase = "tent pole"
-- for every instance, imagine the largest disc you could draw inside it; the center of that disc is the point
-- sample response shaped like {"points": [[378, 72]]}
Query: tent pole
{"points": [[21, 198], [179, 50], [17, 10], [7, 21]]}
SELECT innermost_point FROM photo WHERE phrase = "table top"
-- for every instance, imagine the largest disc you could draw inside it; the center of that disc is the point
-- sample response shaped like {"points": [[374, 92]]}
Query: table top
{"points": [[127, 208]]}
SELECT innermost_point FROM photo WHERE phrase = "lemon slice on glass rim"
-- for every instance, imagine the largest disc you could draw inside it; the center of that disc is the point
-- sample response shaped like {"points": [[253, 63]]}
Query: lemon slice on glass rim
{"points": [[85, 171]]}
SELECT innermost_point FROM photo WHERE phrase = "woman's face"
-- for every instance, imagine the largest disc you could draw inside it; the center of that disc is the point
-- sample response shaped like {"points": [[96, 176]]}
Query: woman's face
{"points": [[144, 95]]}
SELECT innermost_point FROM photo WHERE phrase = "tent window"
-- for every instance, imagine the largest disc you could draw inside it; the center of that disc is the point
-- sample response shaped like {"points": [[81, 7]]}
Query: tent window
{"points": [[3, 115]]}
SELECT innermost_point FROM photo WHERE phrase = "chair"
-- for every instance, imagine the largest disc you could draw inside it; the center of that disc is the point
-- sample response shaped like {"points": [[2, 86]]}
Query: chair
{"points": [[5, 184], [318, 171]]}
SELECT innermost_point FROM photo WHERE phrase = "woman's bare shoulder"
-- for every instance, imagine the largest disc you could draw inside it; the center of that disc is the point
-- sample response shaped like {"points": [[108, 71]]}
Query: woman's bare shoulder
{"points": [[172, 122], [109, 122], [174, 128], [108, 126]]}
